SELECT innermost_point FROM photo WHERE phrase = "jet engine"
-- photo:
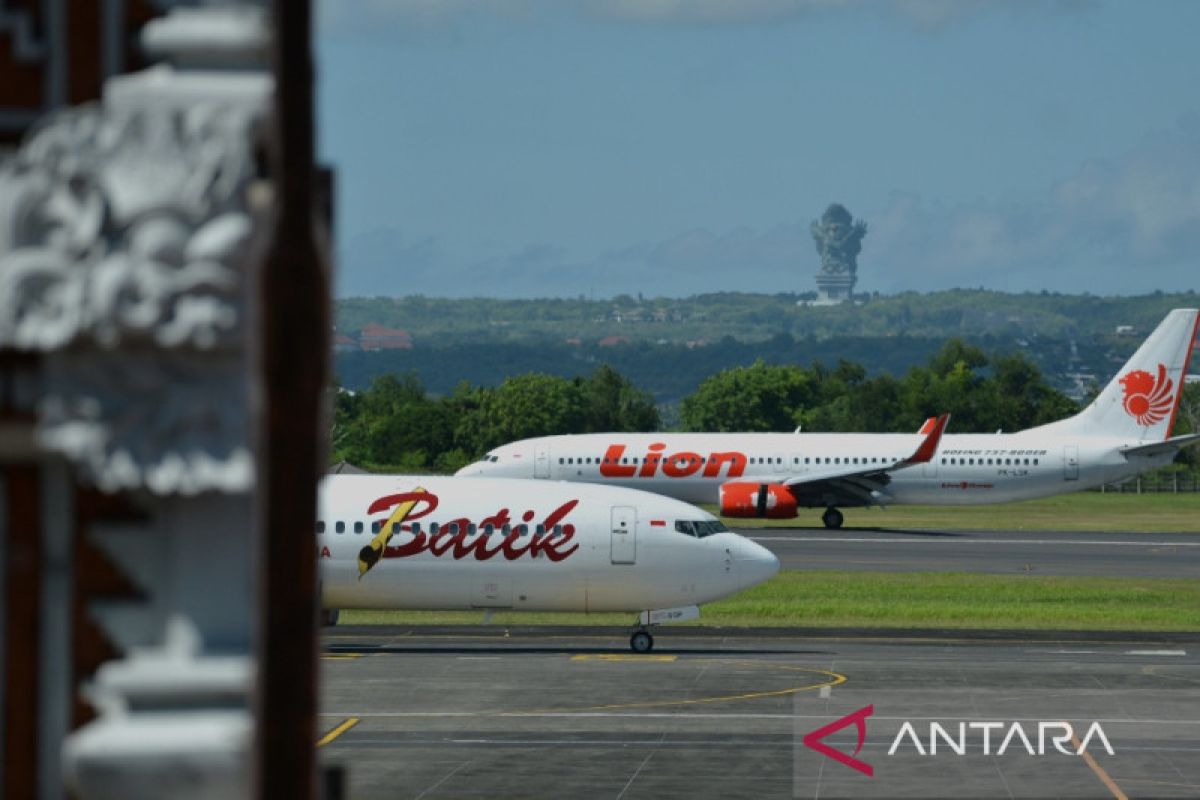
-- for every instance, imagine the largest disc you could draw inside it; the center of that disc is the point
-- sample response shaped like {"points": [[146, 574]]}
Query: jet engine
{"points": [[770, 500]]}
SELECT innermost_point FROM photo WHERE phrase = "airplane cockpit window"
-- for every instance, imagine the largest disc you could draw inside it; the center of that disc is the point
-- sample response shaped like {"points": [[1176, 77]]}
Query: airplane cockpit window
{"points": [[701, 528]]}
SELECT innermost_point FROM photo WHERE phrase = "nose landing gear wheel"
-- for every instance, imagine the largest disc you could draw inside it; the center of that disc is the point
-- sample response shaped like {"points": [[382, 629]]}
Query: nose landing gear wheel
{"points": [[641, 642], [832, 518]]}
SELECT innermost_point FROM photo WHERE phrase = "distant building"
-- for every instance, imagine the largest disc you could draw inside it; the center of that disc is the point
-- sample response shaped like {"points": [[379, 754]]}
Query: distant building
{"points": [[1126, 330], [378, 337], [612, 341], [344, 344]]}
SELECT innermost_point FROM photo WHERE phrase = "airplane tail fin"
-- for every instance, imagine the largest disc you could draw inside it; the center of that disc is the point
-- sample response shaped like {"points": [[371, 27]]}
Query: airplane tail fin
{"points": [[1141, 401]]}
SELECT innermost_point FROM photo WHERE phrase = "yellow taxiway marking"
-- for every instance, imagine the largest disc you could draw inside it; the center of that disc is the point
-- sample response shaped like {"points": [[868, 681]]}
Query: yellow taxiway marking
{"points": [[833, 679], [1108, 782], [338, 731], [620, 657], [340, 656]]}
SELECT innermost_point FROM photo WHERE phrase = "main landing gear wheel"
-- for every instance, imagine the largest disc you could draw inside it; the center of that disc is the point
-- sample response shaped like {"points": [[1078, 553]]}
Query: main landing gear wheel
{"points": [[641, 642], [832, 518]]}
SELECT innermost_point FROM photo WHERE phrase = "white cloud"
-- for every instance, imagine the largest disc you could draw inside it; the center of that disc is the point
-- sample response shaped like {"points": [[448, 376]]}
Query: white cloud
{"points": [[1122, 224]]}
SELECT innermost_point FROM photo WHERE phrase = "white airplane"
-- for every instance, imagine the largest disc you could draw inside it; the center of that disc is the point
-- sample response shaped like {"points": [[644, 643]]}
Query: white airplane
{"points": [[426, 542], [1124, 431]]}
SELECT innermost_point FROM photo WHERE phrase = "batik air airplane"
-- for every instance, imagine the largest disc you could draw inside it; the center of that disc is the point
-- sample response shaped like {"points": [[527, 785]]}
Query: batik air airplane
{"points": [[425, 542], [1124, 431]]}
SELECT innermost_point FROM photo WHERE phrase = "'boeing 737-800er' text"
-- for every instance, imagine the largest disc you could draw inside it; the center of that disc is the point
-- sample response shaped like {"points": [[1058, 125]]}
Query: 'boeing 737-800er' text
{"points": [[1124, 431], [425, 542]]}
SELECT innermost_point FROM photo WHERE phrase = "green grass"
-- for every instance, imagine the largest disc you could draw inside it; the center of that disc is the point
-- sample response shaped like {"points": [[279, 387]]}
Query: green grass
{"points": [[1085, 511], [906, 600]]}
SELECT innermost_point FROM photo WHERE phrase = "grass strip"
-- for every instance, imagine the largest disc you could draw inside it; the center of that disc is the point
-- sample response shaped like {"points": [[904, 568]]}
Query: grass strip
{"points": [[903, 600], [1084, 511]]}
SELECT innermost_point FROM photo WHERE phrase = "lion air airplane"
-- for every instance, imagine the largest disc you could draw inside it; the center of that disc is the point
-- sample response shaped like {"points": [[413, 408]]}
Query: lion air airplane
{"points": [[426, 542], [1124, 431]]}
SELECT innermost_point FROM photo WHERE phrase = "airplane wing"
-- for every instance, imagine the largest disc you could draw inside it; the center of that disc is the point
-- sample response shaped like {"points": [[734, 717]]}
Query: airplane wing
{"points": [[1171, 445], [860, 483]]}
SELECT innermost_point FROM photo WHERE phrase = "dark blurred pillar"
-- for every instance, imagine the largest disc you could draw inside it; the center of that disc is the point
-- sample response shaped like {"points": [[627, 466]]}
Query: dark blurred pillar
{"points": [[292, 362]]}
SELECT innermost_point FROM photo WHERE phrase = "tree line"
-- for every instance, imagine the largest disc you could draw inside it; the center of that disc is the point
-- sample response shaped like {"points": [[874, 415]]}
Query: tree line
{"points": [[396, 425]]}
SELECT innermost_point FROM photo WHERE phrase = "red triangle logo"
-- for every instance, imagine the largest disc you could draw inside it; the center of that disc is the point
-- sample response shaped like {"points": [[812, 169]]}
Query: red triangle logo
{"points": [[858, 718]]}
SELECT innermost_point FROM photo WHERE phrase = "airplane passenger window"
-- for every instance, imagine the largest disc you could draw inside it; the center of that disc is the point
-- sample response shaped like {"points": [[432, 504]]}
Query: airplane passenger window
{"points": [[416, 527], [522, 530], [1035, 461], [358, 527], [560, 461], [471, 528], [452, 528], [540, 529], [506, 529], [396, 527], [375, 526], [340, 527], [320, 526], [488, 529], [433, 528]]}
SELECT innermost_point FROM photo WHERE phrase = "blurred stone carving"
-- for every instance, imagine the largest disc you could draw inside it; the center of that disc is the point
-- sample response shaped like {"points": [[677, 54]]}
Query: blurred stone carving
{"points": [[126, 229]]}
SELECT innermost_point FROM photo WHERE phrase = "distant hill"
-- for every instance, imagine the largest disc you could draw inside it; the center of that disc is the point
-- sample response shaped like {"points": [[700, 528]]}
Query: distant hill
{"points": [[667, 346]]}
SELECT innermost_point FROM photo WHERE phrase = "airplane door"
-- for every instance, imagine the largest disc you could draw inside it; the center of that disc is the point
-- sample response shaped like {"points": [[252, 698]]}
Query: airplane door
{"points": [[624, 535], [541, 461], [1071, 462]]}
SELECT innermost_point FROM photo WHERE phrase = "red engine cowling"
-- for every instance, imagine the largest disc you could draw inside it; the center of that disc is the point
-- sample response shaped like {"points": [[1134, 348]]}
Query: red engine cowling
{"points": [[770, 500]]}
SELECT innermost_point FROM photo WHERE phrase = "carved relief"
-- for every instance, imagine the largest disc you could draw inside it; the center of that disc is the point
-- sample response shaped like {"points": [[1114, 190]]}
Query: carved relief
{"points": [[127, 229], [125, 238]]}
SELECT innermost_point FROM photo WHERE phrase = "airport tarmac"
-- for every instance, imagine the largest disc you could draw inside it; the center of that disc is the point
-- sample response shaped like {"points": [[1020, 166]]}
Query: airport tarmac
{"points": [[575, 714], [1152, 555]]}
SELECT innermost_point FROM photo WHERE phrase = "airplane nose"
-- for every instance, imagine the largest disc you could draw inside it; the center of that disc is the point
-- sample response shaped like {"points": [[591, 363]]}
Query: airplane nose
{"points": [[755, 563], [469, 469]]}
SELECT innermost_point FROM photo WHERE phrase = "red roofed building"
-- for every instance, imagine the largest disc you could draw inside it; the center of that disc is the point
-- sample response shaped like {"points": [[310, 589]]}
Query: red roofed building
{"points": [[343, 343], [612, 341], [377, 337]]}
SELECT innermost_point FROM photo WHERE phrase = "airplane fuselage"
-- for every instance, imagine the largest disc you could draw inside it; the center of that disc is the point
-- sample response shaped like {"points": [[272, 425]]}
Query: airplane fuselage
{"points": [[487, 543], [967, 468]]}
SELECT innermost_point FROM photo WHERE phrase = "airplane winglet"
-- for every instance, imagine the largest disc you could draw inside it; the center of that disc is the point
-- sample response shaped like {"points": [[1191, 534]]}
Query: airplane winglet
{"points": [[929, 446]]}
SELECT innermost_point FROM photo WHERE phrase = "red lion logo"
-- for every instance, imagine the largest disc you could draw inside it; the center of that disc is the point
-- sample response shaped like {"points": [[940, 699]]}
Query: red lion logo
{"points": [[1148, 399]]}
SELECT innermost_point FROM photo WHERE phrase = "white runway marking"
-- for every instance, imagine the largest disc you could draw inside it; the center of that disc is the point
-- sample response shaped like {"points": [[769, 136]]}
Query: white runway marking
{"points": [[1156, 652]]}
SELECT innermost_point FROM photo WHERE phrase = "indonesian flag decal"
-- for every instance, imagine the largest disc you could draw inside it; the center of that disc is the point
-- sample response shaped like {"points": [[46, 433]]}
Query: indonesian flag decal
{"points": [[1148, 399]]}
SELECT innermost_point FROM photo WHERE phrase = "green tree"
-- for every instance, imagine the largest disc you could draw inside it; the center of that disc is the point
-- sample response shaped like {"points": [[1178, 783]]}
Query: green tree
{"points": [[612, 403], [522, 407], [760, 397]]}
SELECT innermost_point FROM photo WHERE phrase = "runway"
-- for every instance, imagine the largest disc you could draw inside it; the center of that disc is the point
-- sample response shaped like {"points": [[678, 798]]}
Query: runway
{"points": [[1154, 555], [577, 715]]}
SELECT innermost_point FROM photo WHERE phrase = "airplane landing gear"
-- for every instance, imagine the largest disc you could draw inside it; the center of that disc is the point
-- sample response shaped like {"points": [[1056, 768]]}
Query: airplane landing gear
{"points": [[641, 641], [832, 518]]}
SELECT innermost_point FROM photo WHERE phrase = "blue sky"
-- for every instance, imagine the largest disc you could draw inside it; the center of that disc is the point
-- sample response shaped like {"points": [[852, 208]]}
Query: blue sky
{"points": [[525, 148]]}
